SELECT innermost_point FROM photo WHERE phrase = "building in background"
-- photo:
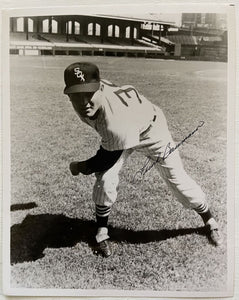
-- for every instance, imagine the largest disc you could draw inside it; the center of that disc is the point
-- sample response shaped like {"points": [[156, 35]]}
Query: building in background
{"points": [[197, 36], [204, 20]]}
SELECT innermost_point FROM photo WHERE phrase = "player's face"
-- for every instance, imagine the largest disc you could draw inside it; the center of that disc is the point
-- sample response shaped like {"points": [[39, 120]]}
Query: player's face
{"points": [[84, 104]]}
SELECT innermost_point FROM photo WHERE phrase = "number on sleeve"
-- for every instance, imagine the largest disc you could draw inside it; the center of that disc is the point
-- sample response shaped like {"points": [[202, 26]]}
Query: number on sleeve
{"points": [[123, 95]]}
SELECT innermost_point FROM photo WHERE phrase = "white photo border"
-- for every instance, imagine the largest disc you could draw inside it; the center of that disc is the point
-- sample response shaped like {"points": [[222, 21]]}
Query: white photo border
{"points": [[231, 162]]}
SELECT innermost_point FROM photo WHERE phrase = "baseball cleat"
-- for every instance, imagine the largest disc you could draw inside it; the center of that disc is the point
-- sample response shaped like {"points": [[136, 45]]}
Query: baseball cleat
{"points": [[214, 233], [215, 237], [103, 248]]}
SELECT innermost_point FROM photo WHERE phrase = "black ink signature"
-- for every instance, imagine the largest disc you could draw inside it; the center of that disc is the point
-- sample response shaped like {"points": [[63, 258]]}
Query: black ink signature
{"points": [[148, 165], [169, 150]]}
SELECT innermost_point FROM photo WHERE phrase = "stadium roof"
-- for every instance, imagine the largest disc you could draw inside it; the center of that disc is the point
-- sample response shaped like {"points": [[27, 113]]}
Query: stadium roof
{"points": [[144, 20]]}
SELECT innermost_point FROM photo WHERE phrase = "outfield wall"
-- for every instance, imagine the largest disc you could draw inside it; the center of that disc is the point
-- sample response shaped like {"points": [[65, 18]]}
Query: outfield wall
{"points": [[47, 48]]}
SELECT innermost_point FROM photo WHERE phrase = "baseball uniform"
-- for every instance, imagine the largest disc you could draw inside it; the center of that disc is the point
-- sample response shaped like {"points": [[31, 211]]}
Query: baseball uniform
{"points": [[143, 128], [127, 122]]}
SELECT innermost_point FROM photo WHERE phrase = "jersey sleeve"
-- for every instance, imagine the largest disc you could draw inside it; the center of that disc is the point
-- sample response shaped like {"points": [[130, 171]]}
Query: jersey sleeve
{"points": [[126, 115], [103, 160]]}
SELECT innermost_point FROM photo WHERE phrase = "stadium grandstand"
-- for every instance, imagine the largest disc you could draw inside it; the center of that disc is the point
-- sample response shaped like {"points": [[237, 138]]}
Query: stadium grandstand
{"points": [[112, 36], [85, 35]]}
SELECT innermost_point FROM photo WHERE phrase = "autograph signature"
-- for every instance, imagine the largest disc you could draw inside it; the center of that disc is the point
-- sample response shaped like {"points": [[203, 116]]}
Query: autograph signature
{"points": [[168, 150]]}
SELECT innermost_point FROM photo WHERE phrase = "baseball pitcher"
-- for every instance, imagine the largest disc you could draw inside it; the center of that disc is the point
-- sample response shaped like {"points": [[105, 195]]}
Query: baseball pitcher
{"points": [[127, 122]]}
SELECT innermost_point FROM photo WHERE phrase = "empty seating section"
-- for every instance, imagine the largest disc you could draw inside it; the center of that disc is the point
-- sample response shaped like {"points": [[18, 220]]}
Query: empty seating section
{"points": [[112, 35], [85, 39], [79, 35]]}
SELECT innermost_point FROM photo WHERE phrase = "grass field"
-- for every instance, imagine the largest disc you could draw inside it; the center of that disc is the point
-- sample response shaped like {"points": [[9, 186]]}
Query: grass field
{"points": [[158, 245]]}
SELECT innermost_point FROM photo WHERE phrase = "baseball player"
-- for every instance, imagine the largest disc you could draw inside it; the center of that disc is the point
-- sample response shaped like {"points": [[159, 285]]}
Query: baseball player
{"points": [[127, 122]]}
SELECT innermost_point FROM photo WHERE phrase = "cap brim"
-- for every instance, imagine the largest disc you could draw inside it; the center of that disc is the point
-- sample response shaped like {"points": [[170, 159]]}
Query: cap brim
{"points": [[82, 88]]}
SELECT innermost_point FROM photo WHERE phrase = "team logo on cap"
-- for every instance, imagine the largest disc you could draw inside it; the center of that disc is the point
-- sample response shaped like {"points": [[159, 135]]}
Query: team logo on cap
{"points": [[79, 74]]}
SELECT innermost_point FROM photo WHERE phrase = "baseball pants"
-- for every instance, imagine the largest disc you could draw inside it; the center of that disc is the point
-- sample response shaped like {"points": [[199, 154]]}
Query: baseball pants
{"points": [[153, 143]]}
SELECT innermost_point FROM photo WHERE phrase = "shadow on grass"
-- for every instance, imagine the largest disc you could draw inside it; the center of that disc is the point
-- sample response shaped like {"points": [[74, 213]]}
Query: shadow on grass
{"points": [[23, 206], [37, 232]]}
